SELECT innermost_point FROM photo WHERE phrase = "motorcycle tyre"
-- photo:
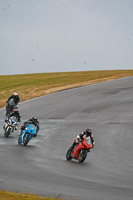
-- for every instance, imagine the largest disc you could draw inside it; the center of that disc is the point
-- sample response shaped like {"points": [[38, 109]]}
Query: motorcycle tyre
{"points": [[7, 133], [26, 140], [84, 155], [68, 155]]}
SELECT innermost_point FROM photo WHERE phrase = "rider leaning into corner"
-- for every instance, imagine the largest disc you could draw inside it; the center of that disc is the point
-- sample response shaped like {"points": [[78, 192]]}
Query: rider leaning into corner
{"points": [[87, 134], [33, 120], [13, 101]]}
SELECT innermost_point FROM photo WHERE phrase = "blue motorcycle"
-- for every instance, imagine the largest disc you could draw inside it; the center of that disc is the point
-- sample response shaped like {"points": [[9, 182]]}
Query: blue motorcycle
{"points": [[27, 134]]}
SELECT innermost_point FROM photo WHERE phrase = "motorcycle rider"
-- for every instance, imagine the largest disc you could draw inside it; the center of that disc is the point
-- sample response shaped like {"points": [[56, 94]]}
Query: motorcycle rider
{"points": [[33, 120], [83, 135], [12, 102]]}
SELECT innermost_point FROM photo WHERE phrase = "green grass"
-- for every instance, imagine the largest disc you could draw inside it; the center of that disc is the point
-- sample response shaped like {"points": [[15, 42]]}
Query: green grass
{"points": [[29, 86]]}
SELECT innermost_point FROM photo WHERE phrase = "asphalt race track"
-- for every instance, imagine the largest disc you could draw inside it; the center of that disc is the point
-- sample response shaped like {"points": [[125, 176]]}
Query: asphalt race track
{"points": [[41, 167]]}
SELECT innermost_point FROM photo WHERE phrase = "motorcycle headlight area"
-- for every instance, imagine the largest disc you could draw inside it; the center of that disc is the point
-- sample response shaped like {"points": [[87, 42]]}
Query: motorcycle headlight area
{"points": [[13, 119]]}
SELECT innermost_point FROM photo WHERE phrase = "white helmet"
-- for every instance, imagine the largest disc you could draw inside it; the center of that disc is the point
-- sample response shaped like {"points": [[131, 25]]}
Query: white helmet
{"points": [[15, 93]]}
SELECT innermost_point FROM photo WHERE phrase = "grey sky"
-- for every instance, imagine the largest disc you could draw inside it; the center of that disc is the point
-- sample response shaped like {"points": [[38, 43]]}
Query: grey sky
{"points": [[65, 35]]}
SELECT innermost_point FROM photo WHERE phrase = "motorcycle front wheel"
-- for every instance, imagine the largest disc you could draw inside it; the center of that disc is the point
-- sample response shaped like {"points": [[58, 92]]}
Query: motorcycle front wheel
{"points": [[82, 155], [7, 132], [68, 155], [26, 139]]}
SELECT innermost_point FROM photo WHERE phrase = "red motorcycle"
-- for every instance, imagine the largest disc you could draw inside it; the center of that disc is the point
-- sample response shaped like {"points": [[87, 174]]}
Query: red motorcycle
{"points": [[80, 151]]}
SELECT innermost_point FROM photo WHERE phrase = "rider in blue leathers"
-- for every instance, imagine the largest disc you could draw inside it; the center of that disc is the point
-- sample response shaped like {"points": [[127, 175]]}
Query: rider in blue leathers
{"points": [[33, 120]]}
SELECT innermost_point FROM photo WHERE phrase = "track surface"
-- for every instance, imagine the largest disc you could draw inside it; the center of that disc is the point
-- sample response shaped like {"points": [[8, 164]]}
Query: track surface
{"points": [[41, 167]]}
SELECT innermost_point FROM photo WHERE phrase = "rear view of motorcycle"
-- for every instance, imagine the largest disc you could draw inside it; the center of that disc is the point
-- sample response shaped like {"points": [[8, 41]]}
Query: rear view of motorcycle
{"points": [[80, 151], [10, 125], [26, 134]]}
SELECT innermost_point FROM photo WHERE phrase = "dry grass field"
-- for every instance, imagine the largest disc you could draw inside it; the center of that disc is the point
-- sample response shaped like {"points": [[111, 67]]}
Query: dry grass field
{"points": [[29, 86], [16, 196]]}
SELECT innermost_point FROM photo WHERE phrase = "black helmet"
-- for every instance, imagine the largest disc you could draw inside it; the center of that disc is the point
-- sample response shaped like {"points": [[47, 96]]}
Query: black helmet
{"points": [[35, 119], [88, 132]]}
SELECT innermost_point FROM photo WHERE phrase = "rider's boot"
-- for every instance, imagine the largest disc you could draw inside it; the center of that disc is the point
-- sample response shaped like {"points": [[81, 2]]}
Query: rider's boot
{"points": [[19, 132]]}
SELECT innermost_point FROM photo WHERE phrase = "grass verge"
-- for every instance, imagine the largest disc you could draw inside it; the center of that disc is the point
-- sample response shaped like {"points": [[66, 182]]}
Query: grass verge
{"points": [[29, 86], [4, 195]]}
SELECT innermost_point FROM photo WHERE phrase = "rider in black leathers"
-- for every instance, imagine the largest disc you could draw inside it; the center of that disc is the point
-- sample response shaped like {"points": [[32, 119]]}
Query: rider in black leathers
{"points": [[12, 102], [85, 134]]}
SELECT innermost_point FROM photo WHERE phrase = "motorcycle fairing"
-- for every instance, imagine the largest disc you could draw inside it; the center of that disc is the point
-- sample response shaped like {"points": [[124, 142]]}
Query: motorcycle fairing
{"points": [[79, 146]]}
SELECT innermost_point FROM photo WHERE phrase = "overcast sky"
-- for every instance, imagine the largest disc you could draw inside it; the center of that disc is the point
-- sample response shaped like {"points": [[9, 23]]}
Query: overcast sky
{"points": [[39, 36]]}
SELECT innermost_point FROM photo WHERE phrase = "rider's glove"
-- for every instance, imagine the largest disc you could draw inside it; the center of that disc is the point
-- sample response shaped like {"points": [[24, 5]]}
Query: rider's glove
{"points": [[22, 127], [79, 140]]}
